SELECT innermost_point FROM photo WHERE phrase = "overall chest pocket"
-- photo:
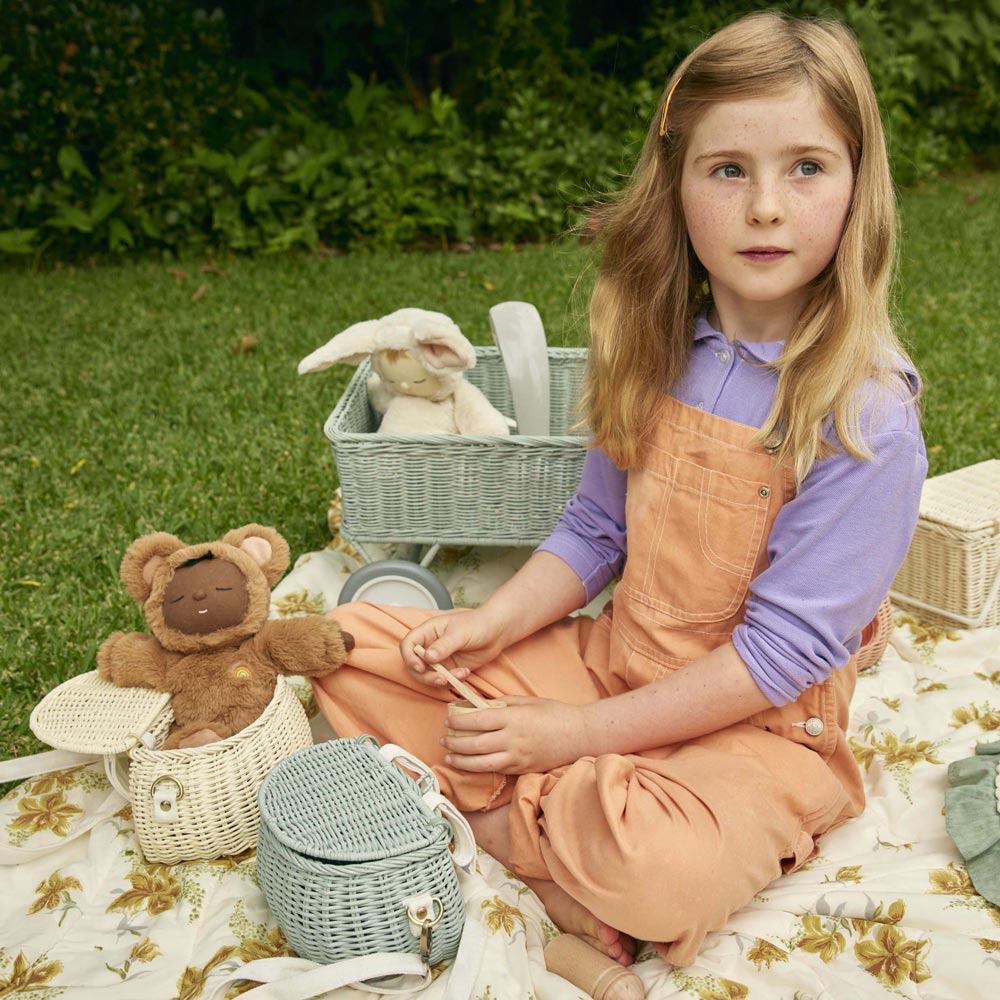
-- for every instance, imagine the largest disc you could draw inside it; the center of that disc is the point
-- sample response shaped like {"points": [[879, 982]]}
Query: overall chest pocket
{"points": [[707, 528]]}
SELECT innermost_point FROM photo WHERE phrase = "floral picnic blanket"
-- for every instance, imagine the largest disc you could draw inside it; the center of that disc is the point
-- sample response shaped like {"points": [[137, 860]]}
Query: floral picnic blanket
{"points": [[886, 909]]}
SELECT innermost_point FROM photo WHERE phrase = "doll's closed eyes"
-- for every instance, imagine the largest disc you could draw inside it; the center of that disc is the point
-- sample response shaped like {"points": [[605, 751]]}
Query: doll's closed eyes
{"points": [[204, 596]]}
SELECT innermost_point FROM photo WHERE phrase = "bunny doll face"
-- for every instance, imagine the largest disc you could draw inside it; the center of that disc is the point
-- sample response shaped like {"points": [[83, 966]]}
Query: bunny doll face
{"points": [[404, 375]]}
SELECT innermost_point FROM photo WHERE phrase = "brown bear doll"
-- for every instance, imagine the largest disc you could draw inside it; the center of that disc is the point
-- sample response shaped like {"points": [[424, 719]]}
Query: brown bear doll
{"points": [[213, 646]]}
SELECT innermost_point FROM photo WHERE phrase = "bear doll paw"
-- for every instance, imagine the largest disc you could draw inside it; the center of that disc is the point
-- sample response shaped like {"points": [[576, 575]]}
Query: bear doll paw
{"points": [[337, 642], [191, 736]]}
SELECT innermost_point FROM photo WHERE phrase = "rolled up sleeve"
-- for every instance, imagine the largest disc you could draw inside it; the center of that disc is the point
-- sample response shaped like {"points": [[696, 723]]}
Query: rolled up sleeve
{"points": [[834, 551], [590, 534]]}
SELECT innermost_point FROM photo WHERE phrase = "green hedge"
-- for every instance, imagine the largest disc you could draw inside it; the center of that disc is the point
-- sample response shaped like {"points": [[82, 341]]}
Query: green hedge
{"points": [[934, 65], [135, 128]]}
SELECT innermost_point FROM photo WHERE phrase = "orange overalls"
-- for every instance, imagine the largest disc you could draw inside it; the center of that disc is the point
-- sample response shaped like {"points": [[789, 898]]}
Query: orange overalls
{"points": [[666, 844]]}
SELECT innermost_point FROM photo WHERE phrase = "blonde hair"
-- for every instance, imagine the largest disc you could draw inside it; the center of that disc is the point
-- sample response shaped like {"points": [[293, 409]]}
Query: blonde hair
{"points": [[651, 287]]}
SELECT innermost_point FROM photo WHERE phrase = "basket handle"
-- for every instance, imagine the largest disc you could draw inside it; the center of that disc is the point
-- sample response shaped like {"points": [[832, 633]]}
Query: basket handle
{"points": [[37, 764], [299, 979], [426, 779], [464, 850]]}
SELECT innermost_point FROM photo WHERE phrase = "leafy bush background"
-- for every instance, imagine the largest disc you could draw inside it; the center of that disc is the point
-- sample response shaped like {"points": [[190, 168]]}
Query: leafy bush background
{"points": [[178, 127]]}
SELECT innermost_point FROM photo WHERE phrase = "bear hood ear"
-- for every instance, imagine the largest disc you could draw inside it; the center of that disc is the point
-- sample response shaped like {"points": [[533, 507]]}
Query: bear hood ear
{"points": [[141, 561], [264, 546]]}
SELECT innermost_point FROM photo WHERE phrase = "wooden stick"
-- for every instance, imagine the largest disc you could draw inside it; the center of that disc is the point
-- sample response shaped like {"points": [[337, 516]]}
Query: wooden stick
{"points": [[473, 697]]}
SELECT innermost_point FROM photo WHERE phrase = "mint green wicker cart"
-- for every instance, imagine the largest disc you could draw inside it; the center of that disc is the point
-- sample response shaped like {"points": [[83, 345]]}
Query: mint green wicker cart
{"points": [[450, 489]]}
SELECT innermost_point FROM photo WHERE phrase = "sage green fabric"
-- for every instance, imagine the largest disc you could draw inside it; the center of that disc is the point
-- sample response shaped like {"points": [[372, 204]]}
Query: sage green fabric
{"points": [[972, 816]]}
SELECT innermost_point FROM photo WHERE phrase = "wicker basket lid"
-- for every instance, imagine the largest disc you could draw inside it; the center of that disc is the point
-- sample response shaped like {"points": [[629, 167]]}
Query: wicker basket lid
{"points": [[369, 811], [88, 714], [967, 499]]}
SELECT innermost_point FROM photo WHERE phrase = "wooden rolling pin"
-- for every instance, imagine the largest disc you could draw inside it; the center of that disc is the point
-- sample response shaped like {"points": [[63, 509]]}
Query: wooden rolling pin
{"points": [[591, 970]]}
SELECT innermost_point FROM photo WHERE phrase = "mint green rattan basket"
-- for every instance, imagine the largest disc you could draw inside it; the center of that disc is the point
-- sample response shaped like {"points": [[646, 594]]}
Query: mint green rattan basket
{"points": [[344, 839], [457, 489]]}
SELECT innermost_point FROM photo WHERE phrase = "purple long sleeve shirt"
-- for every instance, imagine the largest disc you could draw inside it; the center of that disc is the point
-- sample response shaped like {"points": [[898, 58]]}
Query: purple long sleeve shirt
{"points": [[834, 548]]}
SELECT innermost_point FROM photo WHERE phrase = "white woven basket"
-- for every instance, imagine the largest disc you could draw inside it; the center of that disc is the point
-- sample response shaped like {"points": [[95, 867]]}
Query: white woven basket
{"points": [[951, 574], [193, 804]]}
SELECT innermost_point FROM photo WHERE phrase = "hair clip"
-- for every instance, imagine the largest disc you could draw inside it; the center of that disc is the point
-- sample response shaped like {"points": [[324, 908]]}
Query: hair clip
{"points": [[666, 104]]}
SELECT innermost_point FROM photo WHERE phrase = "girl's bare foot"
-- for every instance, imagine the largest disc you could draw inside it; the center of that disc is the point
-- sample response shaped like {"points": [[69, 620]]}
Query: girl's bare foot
{"points": [[572, 917], [493, 835], [662, 947]]}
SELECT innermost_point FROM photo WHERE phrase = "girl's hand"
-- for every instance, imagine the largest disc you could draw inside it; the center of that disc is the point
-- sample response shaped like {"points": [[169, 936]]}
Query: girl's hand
{"points": [[461, 640], [530, 735]]}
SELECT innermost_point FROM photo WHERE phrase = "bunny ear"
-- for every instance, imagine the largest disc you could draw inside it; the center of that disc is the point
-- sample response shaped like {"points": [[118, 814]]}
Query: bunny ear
{"points": [[350, 346], [442, 358], [442, 345]]}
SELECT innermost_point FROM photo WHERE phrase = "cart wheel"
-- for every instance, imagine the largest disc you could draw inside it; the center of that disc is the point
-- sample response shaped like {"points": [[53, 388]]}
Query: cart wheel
{"points": [[398, 583]]}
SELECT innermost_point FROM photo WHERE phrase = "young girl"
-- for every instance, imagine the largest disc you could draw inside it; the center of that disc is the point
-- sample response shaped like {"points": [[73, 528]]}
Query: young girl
{"points": [[754, 479]]}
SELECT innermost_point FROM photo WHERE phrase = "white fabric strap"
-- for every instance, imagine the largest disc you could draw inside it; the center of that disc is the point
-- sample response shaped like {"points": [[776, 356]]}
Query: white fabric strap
{"points": [[19, 768], [393, 753], [464, 850], [464, 853], [298, 979], [95, 815], [905, 650], [904, 601], [464, 970]]}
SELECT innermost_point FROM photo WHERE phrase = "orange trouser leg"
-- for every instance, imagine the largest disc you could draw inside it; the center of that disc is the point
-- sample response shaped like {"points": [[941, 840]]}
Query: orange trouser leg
{"points": [[665, 846], [374, 693]]}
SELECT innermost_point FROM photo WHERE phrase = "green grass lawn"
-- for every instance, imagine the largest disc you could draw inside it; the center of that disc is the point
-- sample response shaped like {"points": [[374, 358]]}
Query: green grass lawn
{"points": [[127, 404]]}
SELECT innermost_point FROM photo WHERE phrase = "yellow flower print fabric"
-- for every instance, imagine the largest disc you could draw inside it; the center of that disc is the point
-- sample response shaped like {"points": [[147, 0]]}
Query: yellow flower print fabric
{"points": [[886, 909]]}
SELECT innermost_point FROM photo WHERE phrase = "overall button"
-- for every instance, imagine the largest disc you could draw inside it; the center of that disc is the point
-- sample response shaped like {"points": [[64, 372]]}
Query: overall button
{"points": [[764, 491], [814, 726]]}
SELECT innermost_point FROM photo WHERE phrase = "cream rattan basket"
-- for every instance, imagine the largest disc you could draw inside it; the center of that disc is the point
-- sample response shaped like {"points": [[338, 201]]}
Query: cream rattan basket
{"points": [[187, 805], [951, 575]]}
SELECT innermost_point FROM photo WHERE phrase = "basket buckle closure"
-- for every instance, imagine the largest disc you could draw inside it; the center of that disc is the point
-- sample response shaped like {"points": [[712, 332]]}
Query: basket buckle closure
{"points": [[166, 792], [424, 913]]}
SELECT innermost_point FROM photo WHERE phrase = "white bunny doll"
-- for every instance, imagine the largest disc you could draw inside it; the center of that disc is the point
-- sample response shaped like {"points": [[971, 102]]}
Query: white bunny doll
{"points": [[416, 383]]}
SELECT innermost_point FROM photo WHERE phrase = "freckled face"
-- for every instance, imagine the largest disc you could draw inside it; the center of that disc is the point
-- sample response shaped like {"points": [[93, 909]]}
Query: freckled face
{"points": [[766, 187], [204, 597]]}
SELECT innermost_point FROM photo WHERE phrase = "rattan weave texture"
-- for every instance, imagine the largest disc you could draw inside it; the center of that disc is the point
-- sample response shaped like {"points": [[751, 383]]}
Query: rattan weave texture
{"points": [[459, 489], [950, 573], [882, 626], [217, 810], [212, 790], [88, 714], [344, 839]]}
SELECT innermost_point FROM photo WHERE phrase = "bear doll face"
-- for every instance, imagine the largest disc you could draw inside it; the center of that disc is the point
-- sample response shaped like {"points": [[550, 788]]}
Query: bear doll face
{"points": [[205, 595]]}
